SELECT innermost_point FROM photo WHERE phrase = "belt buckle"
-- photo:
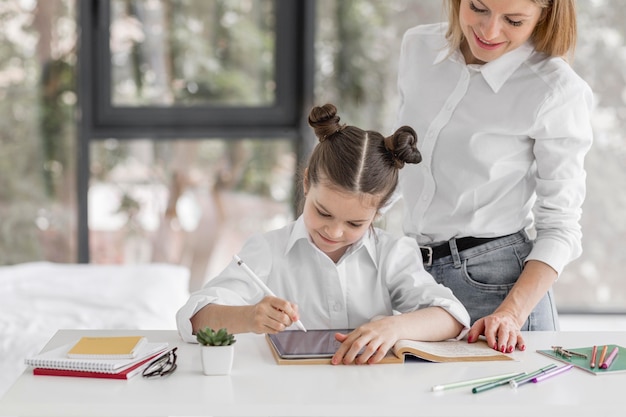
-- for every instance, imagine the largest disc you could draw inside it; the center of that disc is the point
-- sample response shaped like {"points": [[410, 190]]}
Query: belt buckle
{"points": [[427, 252]]}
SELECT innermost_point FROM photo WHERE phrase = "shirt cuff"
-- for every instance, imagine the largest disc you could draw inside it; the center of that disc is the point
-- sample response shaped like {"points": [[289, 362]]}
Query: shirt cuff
{"points": [[552, 253], [186, 312]]}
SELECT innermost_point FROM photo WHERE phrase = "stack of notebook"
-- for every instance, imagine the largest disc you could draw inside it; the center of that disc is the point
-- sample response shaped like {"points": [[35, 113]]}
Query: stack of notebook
{"points": [[116, 357]]}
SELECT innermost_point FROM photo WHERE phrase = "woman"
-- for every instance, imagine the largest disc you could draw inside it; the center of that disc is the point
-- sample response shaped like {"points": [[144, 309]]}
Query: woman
{"points": [[504, 126]]}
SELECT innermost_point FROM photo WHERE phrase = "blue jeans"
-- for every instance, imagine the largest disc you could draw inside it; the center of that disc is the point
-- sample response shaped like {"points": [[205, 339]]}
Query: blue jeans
{"points": [[482, 276]]}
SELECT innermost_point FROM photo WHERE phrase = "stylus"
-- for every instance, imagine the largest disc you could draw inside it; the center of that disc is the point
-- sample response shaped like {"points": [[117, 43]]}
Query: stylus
{"points": [[261, 284]]}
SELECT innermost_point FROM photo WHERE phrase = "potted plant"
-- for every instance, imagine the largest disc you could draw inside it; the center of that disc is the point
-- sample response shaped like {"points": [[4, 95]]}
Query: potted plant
{"points": [[217, 350]]}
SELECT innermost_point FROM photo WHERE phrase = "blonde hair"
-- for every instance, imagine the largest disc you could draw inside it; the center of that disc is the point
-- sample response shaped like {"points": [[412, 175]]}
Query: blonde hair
{"points": [[554, 35]]}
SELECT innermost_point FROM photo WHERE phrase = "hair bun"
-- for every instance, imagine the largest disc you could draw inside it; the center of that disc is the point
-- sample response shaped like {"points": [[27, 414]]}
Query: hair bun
{"points": [[324, 121], [403, 146]]}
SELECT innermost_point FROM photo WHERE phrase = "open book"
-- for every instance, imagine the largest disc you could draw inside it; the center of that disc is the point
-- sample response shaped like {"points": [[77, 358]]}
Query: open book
{"points": [[318, 346]]}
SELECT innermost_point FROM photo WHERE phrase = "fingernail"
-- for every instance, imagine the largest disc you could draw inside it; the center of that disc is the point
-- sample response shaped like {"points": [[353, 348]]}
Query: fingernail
{"points": [[523, 347], [502, 348], [510, 349], [469, 339], [495, 346]]}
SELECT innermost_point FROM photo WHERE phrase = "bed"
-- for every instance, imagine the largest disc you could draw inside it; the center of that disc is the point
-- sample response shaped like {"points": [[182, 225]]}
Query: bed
{"points": [[37, 299]]}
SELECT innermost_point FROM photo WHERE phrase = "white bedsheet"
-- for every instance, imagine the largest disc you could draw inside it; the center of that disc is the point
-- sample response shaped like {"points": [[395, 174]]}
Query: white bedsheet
{"points": [[37, 299]]}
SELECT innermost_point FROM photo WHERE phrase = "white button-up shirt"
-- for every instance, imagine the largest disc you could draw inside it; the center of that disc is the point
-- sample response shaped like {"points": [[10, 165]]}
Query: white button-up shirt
{"points": [[503, 145], [379, 275]]}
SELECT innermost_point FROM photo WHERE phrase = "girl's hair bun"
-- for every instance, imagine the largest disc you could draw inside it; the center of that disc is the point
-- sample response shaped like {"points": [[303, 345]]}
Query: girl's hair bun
{"points": [[403, 146], [324, 121]]}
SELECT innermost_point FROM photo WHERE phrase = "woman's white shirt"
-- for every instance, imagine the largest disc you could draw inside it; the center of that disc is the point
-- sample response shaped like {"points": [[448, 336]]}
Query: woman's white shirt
{"points": [[503, 145], [379, 275]]}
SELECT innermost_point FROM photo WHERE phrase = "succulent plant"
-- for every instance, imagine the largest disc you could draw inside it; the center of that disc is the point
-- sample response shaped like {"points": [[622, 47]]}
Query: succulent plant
{"points": [[210, 337]]}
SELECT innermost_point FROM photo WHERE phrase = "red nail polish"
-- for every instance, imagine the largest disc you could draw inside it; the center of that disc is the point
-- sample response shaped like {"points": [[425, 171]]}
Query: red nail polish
{"points": [[495, 346], [510, 349], [502, 348], [523, 347], [469, 339]]}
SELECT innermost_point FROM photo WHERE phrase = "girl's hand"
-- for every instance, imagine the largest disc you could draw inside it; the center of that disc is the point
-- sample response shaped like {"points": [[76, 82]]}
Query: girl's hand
{"points": [[272, 315], [367, 344]]}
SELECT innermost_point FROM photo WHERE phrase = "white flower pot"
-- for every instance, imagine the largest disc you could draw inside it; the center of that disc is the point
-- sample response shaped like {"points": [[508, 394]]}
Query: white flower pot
{"points": [[217, 360]]}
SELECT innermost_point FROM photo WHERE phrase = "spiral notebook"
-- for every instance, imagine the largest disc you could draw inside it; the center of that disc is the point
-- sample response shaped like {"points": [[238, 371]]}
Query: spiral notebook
{"points": [[57, 359], [126, 373]]}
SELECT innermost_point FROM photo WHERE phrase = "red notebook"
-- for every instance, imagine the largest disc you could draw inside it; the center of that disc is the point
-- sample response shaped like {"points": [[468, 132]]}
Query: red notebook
{"points": [[126, 373]]}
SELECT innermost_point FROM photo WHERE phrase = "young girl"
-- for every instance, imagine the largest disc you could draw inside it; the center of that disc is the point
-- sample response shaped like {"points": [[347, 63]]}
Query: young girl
{"points": [[330, 268]]}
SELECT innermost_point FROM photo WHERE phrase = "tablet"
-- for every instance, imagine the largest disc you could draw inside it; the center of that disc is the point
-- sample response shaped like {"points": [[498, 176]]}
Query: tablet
{"points": [[293, 344]]}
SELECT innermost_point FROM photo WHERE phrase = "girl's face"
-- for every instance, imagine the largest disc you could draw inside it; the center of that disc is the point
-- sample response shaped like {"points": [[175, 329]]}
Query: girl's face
{"points": [[495, 27], [334, 219]]}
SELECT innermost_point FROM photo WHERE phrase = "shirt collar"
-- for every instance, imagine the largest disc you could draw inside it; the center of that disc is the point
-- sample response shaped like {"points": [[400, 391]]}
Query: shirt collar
{"points": [[497, 72], [299, 232]]}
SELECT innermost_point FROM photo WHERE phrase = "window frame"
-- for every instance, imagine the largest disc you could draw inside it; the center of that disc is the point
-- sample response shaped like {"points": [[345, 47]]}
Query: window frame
{"points": [[99, 119]]}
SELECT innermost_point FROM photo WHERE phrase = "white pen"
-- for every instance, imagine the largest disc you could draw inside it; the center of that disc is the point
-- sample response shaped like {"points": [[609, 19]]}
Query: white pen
{"points": [[261, 284]]}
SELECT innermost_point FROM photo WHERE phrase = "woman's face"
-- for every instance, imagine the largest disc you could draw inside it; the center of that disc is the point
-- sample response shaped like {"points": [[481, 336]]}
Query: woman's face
{"points": [[495, 27], [335, 220]]}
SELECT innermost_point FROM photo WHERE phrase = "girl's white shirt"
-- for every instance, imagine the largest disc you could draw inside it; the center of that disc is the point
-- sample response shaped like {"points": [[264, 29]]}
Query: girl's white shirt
{"points": [[382, 275], [503, 145]]}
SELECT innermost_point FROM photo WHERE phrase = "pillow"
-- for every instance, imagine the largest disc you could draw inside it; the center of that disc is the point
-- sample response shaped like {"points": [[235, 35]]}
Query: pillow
{"points": [[37, 299]]}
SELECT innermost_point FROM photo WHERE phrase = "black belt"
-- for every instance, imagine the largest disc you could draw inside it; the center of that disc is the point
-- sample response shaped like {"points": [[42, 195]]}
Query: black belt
{"points": [[429, 254]]}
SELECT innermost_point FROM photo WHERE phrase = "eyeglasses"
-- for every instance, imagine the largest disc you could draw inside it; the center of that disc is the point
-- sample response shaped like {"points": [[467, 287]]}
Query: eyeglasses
{"points": [[162, 366]]}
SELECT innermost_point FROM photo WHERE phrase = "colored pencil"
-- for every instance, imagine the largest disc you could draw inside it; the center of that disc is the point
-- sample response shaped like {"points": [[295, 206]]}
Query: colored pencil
{"points": [[603, 354], [606, 364], [594, 352], [475, 381]]}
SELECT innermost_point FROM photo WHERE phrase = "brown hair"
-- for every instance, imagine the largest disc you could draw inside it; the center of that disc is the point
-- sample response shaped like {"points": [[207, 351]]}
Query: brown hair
{"points": [[355, 160], [554, 35]]}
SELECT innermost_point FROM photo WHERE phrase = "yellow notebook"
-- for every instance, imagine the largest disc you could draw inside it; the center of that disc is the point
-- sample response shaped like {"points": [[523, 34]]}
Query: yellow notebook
{"points": [[108, 347]]}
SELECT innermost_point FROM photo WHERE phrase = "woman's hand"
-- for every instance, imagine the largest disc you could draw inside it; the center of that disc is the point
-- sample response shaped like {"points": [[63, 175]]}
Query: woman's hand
{"points": [[272, 315], [367, 344], [500, 329]]}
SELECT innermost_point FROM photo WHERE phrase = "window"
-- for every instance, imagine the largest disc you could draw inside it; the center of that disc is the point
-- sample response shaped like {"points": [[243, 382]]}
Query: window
{"points": [[171, 139], [189, 66], [192, 127]]}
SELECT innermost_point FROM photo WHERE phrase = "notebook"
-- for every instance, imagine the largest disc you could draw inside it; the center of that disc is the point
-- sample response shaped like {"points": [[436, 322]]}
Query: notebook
{"points": [[126, 373], [114, 347], [318, 346], [57, 359]]}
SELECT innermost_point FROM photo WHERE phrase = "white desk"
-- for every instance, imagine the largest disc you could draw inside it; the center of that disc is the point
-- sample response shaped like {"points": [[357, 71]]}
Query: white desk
{"points": [[259, 387]]}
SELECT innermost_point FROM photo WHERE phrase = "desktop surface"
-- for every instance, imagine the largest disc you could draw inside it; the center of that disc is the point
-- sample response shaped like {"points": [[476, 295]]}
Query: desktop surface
{"points": [[257, 386]]}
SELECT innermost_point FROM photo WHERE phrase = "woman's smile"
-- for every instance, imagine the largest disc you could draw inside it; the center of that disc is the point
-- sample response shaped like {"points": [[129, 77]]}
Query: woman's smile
{"points": [[490, 46]]}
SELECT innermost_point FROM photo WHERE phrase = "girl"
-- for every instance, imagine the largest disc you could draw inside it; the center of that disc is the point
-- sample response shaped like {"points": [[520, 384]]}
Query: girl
{"points": [[330, 268]]}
